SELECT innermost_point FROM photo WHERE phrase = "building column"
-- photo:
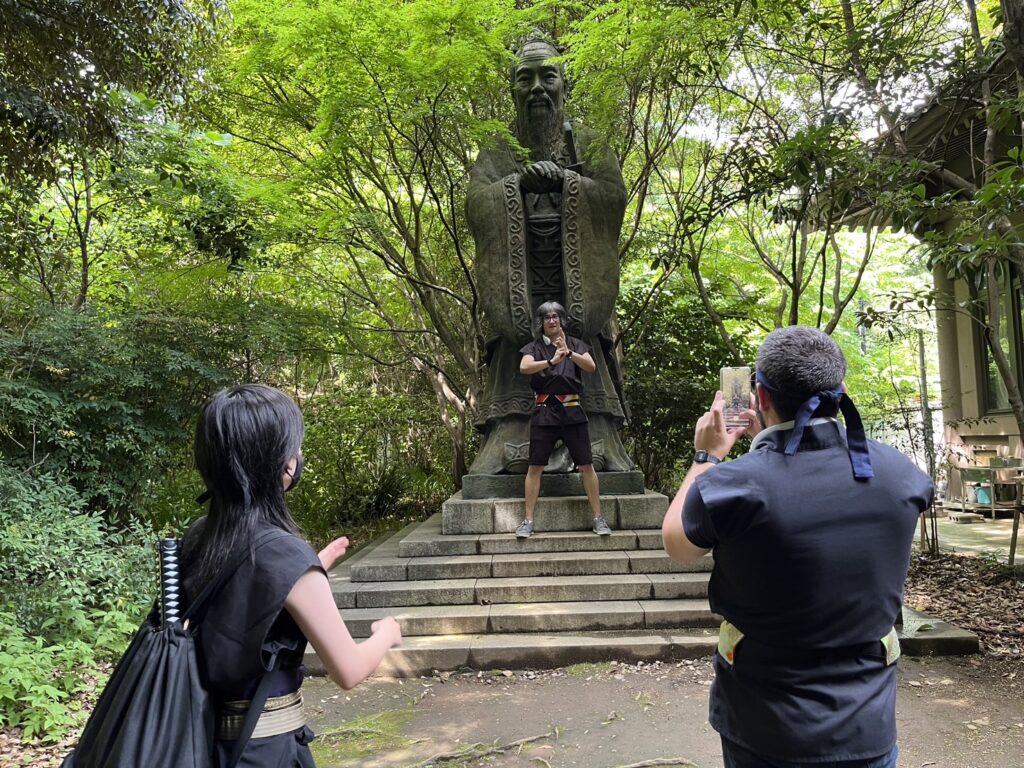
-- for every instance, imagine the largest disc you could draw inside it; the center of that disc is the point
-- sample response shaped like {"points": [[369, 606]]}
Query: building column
{"points": [[949, 348]]}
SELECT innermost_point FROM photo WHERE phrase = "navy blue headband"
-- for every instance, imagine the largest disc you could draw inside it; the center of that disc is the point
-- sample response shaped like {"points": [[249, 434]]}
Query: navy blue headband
{"points": [[856, 439]]}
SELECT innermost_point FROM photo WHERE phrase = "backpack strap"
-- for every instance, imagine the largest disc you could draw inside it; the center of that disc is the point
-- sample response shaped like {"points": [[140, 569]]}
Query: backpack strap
{"points": [[214, 586], [259, 699]]}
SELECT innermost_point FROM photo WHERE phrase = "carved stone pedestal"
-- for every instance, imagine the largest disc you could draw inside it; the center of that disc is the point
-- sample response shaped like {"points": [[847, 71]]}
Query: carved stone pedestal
{"points": [[460, 515], [551, 484]]}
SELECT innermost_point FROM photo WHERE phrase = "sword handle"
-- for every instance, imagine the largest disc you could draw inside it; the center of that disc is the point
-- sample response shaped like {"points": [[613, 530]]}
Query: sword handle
{"points": [[570, 144], [170, 581]]}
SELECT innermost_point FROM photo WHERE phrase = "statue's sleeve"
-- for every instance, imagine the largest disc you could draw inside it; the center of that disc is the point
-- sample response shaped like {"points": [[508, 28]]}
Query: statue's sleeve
{"points": [[594, 203], [494, 210]]}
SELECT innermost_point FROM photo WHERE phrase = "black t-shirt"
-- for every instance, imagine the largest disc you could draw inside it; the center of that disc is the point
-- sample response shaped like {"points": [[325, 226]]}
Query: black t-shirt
{"points": [[564, 378], [246, 625]]}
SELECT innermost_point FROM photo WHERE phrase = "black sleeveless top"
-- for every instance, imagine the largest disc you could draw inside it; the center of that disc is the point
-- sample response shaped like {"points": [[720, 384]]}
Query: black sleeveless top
{"points": [[245, 626], [565, 378]]}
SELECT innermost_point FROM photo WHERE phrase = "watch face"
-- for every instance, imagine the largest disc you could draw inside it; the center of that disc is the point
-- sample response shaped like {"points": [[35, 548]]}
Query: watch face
{"points": [[700, 457]]}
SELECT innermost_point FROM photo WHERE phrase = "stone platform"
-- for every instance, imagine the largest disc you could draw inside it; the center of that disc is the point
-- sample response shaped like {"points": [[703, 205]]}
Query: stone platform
{"points": [[551, 484], [553, 513], [488, 600]]}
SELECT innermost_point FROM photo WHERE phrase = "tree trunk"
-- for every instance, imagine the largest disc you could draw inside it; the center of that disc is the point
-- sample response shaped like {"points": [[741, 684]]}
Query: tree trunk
{"points": [[994, 341]]}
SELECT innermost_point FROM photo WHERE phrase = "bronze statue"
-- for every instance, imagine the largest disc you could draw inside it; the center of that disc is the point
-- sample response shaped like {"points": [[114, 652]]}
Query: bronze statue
{"points": [[546, 229]]}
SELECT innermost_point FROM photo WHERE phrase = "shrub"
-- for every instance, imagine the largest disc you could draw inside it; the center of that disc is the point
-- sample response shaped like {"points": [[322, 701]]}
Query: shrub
{"points": [[100, 399], [369, 459], [673, 364], [73, 590]]}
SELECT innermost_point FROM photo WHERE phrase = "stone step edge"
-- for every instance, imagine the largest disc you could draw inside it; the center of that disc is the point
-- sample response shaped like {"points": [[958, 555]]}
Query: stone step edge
{"points": [[649, 615], [648, 493], [503, 515], [562, 554], [920, 635], [468, 591], [635, 561], [488, 581], [424, 655], [428, 533]]}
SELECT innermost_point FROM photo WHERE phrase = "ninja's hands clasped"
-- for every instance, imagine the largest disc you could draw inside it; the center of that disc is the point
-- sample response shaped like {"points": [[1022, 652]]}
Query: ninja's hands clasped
{"points": [[561, 349]]}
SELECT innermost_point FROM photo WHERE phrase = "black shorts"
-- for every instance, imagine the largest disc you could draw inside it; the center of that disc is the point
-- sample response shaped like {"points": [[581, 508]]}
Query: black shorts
{"points": [[575, 436]]}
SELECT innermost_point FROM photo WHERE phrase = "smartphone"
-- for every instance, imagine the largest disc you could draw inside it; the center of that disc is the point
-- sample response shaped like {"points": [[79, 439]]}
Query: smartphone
{"points": [[736, 389]]}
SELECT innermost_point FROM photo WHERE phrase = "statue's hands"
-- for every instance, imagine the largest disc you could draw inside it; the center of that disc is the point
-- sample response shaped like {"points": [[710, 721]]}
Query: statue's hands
{"points": [[543, 176]]}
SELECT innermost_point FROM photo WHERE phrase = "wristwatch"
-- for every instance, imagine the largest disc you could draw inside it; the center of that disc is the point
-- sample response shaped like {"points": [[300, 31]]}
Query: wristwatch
{"points": [[703, 457]]}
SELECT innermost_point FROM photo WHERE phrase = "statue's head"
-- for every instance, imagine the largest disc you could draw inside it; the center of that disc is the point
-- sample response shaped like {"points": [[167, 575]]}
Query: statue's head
{"points": [[538, 82]]}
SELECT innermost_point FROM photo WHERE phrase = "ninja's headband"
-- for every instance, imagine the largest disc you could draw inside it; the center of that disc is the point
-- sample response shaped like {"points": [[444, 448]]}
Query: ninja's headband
{"points": [[856, 439]]}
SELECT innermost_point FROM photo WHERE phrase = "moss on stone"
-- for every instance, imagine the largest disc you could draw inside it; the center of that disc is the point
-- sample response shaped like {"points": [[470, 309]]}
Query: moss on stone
{"points": [[588, 669], [362, 737]]}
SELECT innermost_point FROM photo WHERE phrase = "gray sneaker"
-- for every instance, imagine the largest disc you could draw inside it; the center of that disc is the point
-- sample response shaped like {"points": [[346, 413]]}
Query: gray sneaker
{"points": [[601, 527], [525, 529]]}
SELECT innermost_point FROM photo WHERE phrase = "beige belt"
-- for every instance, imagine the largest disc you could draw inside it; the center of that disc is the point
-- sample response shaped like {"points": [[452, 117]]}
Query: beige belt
{"points": [[281, 714], [729, 637]]}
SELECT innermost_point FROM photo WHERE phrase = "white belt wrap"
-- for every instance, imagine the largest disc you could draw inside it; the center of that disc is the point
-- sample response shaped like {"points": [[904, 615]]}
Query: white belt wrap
{"points": [[281, 714]]}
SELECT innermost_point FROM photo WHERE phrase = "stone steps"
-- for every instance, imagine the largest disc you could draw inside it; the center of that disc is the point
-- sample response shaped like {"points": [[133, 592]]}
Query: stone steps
{"points": [[461, 516], [424, 655], [479, 597], [426, 540], [537, 617], [523, 564], [530, 589]]}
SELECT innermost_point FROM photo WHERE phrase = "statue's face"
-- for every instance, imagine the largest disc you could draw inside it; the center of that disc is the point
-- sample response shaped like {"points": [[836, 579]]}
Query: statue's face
{"points": [[537, 84]]}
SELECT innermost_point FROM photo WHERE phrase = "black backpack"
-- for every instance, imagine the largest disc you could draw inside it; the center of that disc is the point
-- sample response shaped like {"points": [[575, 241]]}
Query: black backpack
{"points": [[154, 711]]}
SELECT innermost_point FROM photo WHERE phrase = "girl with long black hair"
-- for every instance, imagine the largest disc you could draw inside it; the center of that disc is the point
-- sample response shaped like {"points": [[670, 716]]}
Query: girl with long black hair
{"points": [[248, 451]]}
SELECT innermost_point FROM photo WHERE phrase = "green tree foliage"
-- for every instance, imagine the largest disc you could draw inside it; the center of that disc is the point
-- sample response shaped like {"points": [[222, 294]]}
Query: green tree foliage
{"points": [[100, 399], [375, 456], [746, 141], [673, 371], [65, 68]]}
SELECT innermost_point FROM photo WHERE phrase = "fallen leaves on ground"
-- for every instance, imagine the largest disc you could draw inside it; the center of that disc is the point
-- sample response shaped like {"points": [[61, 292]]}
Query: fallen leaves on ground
{"points": [[973, 593], [17, 753]]}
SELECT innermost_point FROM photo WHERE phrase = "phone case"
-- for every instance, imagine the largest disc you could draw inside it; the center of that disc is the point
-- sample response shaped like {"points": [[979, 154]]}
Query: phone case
{"points": [[736, 389]]}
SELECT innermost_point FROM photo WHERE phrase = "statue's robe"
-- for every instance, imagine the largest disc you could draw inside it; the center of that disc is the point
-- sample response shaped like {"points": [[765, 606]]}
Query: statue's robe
{"points": [[592, 204]]}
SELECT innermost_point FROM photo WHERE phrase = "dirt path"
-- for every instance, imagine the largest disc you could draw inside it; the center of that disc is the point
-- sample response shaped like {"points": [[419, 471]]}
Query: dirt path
{"points": [[958, 713]]}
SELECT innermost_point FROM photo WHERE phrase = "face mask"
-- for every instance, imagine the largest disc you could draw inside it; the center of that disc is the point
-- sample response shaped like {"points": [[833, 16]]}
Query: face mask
{"points": [[296, 474]]}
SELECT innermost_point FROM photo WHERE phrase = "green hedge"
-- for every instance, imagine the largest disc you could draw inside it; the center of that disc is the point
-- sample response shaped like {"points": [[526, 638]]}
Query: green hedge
{"points": [[73, 590]]}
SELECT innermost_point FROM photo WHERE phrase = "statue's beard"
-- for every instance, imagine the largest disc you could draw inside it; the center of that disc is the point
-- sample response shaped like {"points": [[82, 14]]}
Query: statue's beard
{"points": [[540, 131]]}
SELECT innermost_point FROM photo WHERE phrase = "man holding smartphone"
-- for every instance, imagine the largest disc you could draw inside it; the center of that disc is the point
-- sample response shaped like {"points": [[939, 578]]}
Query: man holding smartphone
{"points": [[553, 361], [811, 532]]}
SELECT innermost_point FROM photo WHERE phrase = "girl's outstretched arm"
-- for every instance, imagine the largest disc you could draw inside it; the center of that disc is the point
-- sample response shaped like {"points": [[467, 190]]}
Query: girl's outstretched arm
{"points": [[348, 663]]}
